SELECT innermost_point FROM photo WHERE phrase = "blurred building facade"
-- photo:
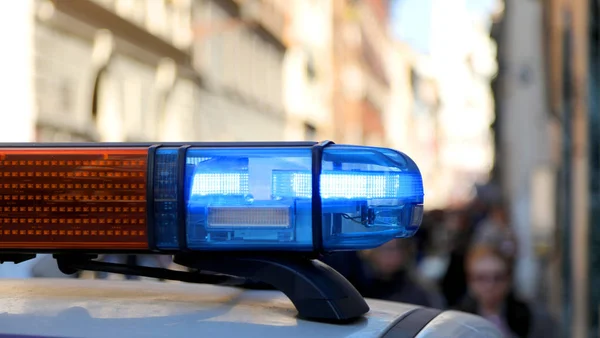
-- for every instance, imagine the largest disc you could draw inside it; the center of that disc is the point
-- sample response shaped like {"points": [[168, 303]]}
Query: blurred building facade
{"points": [[361, 91], [412, 124], [121, 74], [525, 167], [572, 40], [158, 70], [239, 51], [549, 117], [451, 67], [463, 69], [308, 70]]}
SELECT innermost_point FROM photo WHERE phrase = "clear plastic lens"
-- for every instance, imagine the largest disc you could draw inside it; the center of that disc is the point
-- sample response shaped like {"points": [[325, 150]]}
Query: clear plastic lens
{"points": [[261, 198], [382, 188], [231, 205]]}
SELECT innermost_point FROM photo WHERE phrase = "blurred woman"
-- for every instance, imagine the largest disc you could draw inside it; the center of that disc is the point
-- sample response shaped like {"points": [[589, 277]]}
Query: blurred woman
{"points": [[489, 278]]}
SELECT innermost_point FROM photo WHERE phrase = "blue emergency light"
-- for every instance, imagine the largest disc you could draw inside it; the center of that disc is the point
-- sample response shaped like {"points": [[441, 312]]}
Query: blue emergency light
{"points": [[261, 197]]}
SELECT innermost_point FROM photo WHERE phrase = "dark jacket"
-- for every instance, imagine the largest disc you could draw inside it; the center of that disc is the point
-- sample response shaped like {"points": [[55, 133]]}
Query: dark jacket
{"points": [[524, 320], [400, 288]]}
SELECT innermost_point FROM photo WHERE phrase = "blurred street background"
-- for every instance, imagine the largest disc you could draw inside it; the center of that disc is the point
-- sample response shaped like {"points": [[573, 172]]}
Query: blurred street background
{"points": [[495, 100]]}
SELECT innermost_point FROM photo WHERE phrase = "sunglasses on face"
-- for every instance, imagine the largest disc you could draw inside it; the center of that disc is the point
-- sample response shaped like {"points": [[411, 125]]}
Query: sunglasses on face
{"points": [[489, 278]]}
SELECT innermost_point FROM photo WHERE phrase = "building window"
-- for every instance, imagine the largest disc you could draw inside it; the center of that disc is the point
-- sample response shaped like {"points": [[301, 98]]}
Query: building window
{"points": [[310, 132], [311, 71], [66, 96], [414, 80], [96, 93], [133, 100]]}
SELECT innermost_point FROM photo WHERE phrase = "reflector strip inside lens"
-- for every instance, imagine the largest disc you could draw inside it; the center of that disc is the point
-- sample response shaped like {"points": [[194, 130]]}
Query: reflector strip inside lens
{"points": [[244, 216], [73, 198]]}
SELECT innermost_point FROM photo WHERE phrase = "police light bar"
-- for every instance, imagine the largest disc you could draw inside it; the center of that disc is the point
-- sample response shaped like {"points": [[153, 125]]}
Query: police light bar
{"points": [[260, 212], [299, 197]]}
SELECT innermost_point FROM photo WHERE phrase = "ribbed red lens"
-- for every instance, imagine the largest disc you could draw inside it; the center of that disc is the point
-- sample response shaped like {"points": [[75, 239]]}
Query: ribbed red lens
{"points": [[68, 198]]}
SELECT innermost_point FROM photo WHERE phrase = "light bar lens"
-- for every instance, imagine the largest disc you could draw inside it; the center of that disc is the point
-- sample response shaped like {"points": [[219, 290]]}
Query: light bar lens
{"points": [[55, 198], [261, 198], [347, 185], [231, 205], [370, 195]]}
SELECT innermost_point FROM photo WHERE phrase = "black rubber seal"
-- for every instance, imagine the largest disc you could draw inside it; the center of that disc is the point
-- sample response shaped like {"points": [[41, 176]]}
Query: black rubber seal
{"points": [[181, 212], [150, 224], [316, 206], [410, 325], [148, 144]]}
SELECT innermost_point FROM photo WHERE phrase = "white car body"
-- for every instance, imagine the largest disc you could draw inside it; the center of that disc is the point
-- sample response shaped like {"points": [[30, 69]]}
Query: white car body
{"points": [[113, 309]]}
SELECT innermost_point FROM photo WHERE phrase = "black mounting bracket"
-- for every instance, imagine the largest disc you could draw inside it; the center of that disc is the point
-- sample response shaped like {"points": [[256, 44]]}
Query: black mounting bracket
{"points": [[317, 291], [70, 264], [15, 257]]}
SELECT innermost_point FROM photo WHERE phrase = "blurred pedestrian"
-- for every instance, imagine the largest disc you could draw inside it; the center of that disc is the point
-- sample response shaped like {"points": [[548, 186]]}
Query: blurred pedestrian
{"points": [[459, 231], [348, 264], [463, 227], [486, 196], [426, 235], [495, 230], [432, 249], [489, 275], [389, 275]]}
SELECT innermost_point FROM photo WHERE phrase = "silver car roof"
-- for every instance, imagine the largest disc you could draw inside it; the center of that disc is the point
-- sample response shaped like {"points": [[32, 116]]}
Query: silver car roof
{"points": [[105, 308]]}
